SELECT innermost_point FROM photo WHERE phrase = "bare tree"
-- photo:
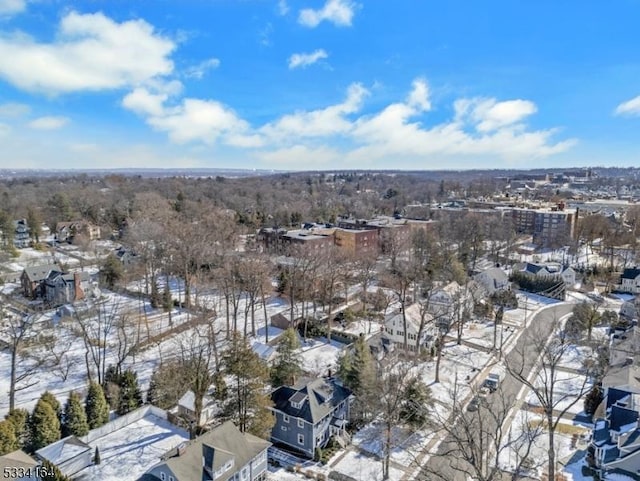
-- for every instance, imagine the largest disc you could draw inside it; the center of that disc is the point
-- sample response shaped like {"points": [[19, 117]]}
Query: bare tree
{"points": [[17, 334], [476, 442], [555, 394], [96, 324]]}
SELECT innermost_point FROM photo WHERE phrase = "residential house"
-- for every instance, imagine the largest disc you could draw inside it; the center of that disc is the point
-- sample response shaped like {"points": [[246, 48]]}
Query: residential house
{"points": [[18, 466], [414, 315], [70, 455], [60, 288], [448, 303], [630, 281], [492, 280], [567, 273], [126, 256], [624, 346], [21, 237], [629, 309], [67, 231], [615, 444], [187, 409], [33, 277], [222, 454], [310, 413]]}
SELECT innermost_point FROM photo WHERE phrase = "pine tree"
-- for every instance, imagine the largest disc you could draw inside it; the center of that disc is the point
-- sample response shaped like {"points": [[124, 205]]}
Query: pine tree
{"points": [[74, 418], [130, 395], [357, 371], [286, 367], [8, 440], [417, 400], [593, 399], [53, 402], [52, 471], [248, 402], [44, 425], [96, 406], [96, 456], [19, 419]]}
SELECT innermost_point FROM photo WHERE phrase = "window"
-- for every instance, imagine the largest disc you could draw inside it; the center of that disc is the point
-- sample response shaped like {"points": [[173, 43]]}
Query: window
{"points": [[284, 428], [163, 476], [301, 439], [300, 423], [171, 478], [285, 418]]}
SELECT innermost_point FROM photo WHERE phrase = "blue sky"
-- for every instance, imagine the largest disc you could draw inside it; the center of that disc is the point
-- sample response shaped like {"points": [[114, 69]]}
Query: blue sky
{"points": [[319, 84]]}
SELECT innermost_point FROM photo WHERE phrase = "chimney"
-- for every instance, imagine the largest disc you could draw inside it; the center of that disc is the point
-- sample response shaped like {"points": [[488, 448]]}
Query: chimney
{"points": [[77, 285]]}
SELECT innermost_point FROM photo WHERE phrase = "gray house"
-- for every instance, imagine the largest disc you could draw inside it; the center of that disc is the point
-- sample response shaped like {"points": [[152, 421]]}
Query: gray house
{"points": [[18, 466], [222, 454], [309, 413], [64, 288]]}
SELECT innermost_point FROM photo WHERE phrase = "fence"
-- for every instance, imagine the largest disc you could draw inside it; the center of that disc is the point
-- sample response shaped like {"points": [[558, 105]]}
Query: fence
{"points": [[123, 421]]}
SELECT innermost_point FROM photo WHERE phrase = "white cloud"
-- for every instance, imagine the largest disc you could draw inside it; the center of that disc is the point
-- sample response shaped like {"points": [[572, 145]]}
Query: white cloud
{"points": [[481, 129], [143, 102], [283, 8], [14, 109], [11, 7], [419, 96], [630, 107], [338, 12], [198, 71], [49, 123], [91, 52], [195, 120], [489, 114], [303, 60], [319, 123]]}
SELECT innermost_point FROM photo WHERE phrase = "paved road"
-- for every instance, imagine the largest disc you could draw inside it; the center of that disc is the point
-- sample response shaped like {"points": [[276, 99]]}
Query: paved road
{"points": [[447, 464]]}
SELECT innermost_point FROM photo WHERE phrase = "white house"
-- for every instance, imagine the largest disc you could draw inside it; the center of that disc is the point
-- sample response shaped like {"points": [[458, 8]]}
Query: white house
{"points": [[187, 408], [630, 281], [448, 303], [492, 280], [394, 328]]}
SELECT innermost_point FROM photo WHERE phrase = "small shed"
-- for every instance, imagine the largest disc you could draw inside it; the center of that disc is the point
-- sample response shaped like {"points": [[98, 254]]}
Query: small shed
{"points": [[70, 455], [282, 321]]}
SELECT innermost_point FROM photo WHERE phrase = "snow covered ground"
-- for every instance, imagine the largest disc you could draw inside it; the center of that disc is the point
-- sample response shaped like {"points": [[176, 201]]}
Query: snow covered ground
{"points": [[364, 468], [526, 426], [129, 452], [320, 355]]}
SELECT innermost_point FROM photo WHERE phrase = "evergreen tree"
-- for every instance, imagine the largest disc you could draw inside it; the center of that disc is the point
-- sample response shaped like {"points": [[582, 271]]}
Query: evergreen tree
{"points": [[130, 394], [8, 440], [417, 400], [96, 406], [52, 471], [248, 402], [19, 419], [112, 271], [593, 399], [44, 425], [286, 367], [96, 456], [34, 222], [74, 418], [356, 369], [53, 402]]}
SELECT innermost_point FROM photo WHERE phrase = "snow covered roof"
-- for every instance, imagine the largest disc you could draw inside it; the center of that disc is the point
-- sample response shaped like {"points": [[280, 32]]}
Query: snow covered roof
{"points": [[16, 459], [63, 450]]}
